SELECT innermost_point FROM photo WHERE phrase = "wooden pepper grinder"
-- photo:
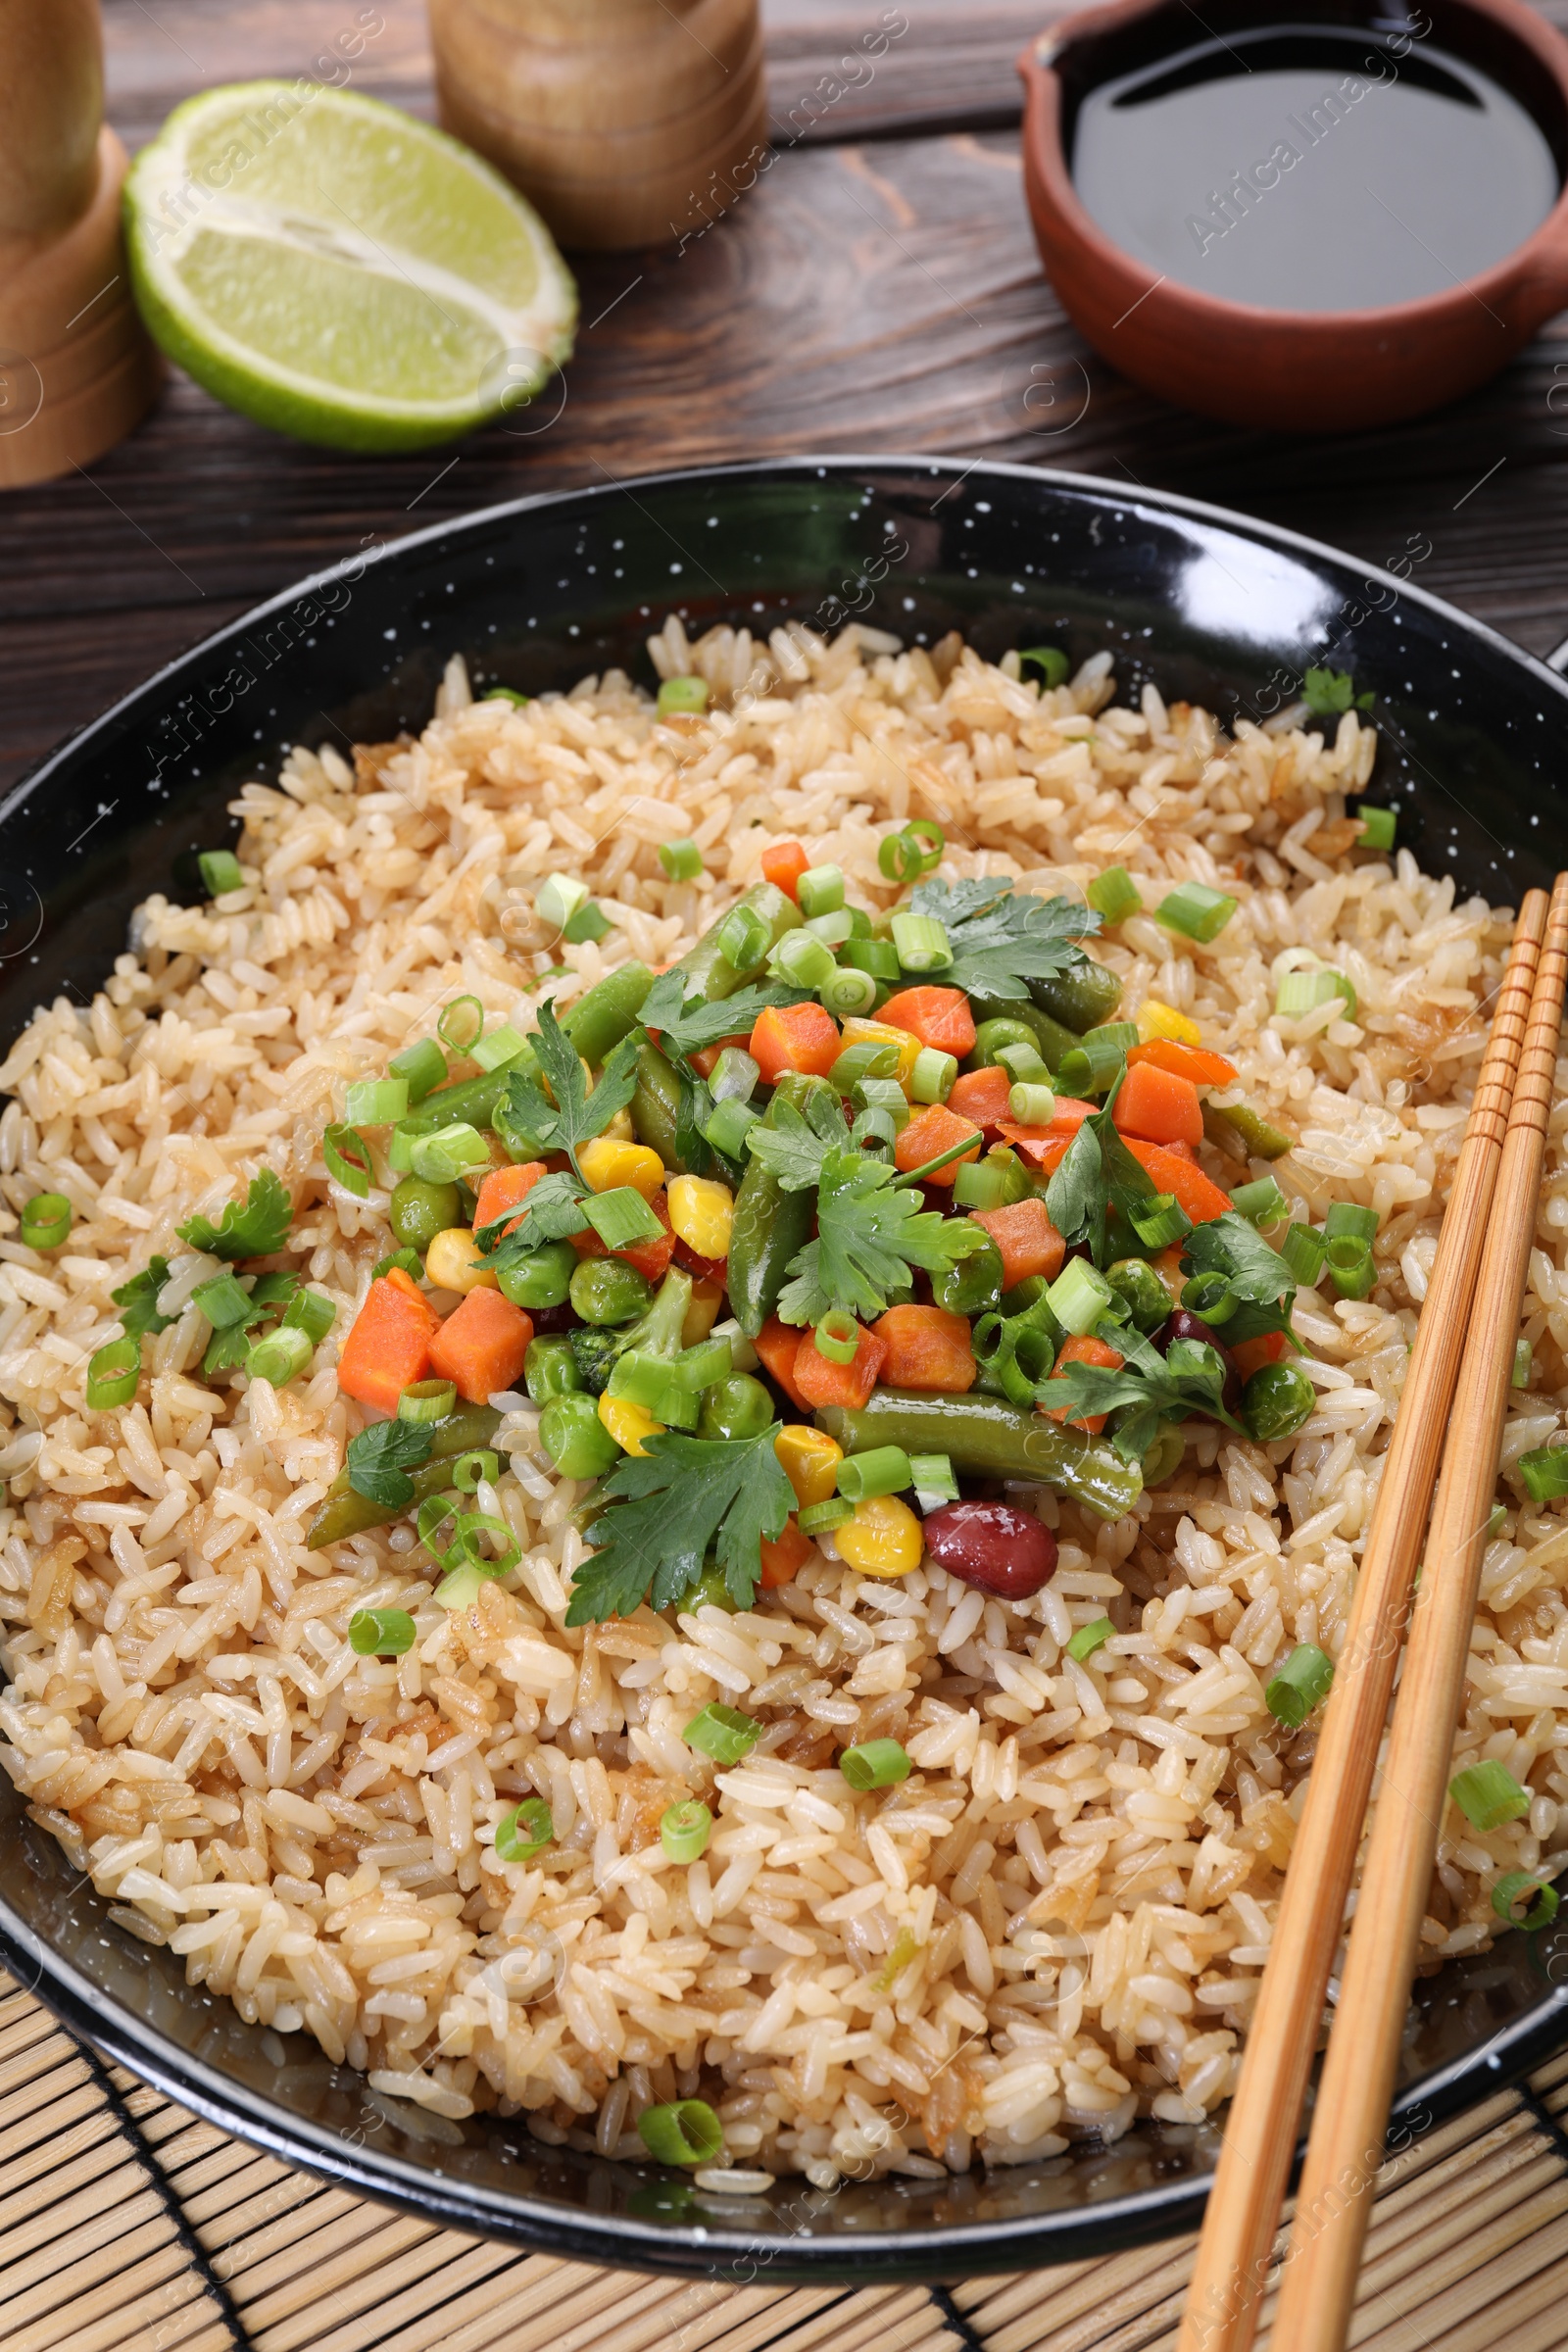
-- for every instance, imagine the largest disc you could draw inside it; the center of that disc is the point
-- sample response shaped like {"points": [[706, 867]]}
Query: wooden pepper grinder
{"points": [[76, 368], [626, 122]]}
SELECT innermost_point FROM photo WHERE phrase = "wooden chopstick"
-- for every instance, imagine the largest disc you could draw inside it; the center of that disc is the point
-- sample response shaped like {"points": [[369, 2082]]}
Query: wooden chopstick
{"points": [[1346, 2147], [1249, 2184]]}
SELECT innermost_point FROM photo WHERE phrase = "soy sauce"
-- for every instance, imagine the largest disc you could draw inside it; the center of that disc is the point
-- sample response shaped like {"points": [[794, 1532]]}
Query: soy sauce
{"points": [[1312, 168]]}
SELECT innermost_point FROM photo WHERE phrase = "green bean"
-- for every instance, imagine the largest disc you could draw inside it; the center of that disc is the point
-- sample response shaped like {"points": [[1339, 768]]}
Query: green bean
{"points": [[655, 1106], [770, 1224], [988, 1438], [1049, 1035], [472, 1102], [711, 975], [1244, 1133], [343, 1512], [598, 1021], [1082, 997]]}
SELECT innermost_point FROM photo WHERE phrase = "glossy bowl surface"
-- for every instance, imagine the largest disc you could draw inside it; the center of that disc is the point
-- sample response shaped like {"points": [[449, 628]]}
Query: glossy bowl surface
{"points": [[1208, 606]]}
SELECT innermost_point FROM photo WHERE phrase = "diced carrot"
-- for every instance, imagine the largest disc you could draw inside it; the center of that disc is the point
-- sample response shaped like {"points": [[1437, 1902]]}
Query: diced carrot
{"points": [[1169, 1266], [650, 1258], [784, 1556], [1195, 1063], [930, 1131], [1250, 1356], [794, 1037], [783, 864], [982, 1095], [820, 1381], [1159, 1106], [937, 1016], [1027, 1239], [779, 1345], [503, 1189], [1068, 1116], [928, 1349], [388, 1347], [481, 1346], [1174, 1172], [1183, 1151], [705, 1058], [1088, 1352]]}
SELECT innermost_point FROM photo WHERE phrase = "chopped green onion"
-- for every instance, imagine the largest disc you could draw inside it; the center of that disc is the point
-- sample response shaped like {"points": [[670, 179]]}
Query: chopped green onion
{"points": [[1545, 1473], [427, 1400], [223, 1299], [1088, 1639], [729, 1127], [441, 1158], [1523, 1365], [1031, 1105], [1261, 1204], [1488, 1794], [885, 1470], [874, 1764], [381, 1633], [1303, 1250], [310, 1312], [735, 1076], [932, 1477], [744, 938], [820, 891], [1347, 1220], [1350, 1267], [622, 1218], [504, 694], [111, 1374], [1114, 895], [502, 1044], [1160, 1221], [699, 1367], [461, 1021], [408, 1261], [802, 961], [1111, 1037], [431, 1515], [933, 1076], [400, 1151], [649, 1381], [524, 1832], [870, 1057], [1024, 1063], [878, 957], [1079, 1296], [1512, 1888], [683, 697], [1497, 1520], [834, 930], [1090, 1068], [838, 1337], [1053, 663], [220, 872], [556, 902], [588, 924], [722, 1733], [847, 992], [472, 1470], [923, 943], [1300, 1685], [980, 1184], [1211, 1297], [879, 1093], [685, 1829], [470, 1528], [874, 1126], [682, 861], [1304, 992], [820, 1518], [1196, 910], [375, 1102], [281, 1357], [685, 2131], [905, 856], [347, 1158], [1378, 827], [46, 1220]]}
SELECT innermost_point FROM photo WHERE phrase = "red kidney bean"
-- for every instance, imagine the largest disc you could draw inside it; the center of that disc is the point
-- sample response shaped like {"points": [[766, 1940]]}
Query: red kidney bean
{"points": [[549, 1320], [993, 1545]]}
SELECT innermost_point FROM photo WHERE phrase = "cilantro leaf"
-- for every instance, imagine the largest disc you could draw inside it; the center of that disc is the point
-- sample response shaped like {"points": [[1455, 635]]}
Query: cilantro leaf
{"points": [[1329, 692], [1002, 938], [576, 1115], [870, 1231], [1098, 1174], [137, 1301], [1231, 1245], [382, 1456], [254, 1230], [791, 1148], [671, 1502], [1149, 1390], [686, 1028], [231, 1344], [551, 1212]]}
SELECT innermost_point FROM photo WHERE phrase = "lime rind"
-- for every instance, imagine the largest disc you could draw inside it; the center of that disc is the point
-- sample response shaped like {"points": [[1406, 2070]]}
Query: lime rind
{"points": [[340, 302]]}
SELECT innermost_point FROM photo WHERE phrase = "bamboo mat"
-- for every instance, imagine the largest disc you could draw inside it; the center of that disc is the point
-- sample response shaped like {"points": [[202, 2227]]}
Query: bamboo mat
{"points": [[128, 2226]]}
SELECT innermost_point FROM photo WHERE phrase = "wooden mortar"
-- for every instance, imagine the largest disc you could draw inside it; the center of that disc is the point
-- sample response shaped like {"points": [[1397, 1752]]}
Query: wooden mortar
{"points": [[76, 368], [626, 122]]}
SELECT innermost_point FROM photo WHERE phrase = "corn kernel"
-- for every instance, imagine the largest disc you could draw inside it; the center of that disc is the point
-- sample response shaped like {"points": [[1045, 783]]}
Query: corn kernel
{"points": [[702, 1214], [628, 1423], [1155, 1019], [883, 1539], [877, 1033], [606, 1164], [707, 1293], [809, 1460], [453, 1263], [620, 1129]]}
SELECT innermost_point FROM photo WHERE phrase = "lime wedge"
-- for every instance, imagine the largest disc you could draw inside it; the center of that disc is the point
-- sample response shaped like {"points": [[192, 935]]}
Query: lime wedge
{"points": [[340, 271]]}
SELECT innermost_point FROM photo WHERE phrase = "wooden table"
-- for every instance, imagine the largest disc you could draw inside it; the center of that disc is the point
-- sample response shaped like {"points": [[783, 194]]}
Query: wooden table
{"points": [[879, 291]]}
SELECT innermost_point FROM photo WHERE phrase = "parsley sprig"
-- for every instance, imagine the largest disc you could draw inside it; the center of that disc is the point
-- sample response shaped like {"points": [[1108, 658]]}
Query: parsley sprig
{"points": [[1258, 1277], [685, 1029], [252, 1229], [1329, 692], [382, 1456], [1003, 938], [230, 1345], [137, 1301], [551, 1212], [669, 1505], [870, 1232], [1148, 1391], [1097, 1175], [577, 1112]]}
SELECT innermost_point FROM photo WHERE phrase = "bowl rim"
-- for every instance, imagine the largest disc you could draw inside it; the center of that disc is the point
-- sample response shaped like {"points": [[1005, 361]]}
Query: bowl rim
{"points": [[916, 2251]]}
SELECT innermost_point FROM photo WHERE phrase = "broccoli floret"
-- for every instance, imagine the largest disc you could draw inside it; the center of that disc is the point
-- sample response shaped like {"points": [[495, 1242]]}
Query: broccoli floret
{"points": [[598, 1347]]}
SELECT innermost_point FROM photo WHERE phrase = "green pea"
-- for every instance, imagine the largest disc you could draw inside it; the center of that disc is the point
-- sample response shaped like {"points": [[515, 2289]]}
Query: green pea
{"points": [[419, 1211], [575, 1439], [737, 1408], [1276, 1401], [991, 1036], [549, 1369], [1148, 1301], [542, 1280], [973, 1287], [606, 1289]]}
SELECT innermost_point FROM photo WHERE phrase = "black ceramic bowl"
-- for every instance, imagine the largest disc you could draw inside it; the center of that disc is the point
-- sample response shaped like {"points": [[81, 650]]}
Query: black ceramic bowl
{"points": [[1210, 606]]}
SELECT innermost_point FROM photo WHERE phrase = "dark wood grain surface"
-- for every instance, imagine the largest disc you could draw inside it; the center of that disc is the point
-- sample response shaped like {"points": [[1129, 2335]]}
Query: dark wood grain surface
{"points": [[880, 291]]}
